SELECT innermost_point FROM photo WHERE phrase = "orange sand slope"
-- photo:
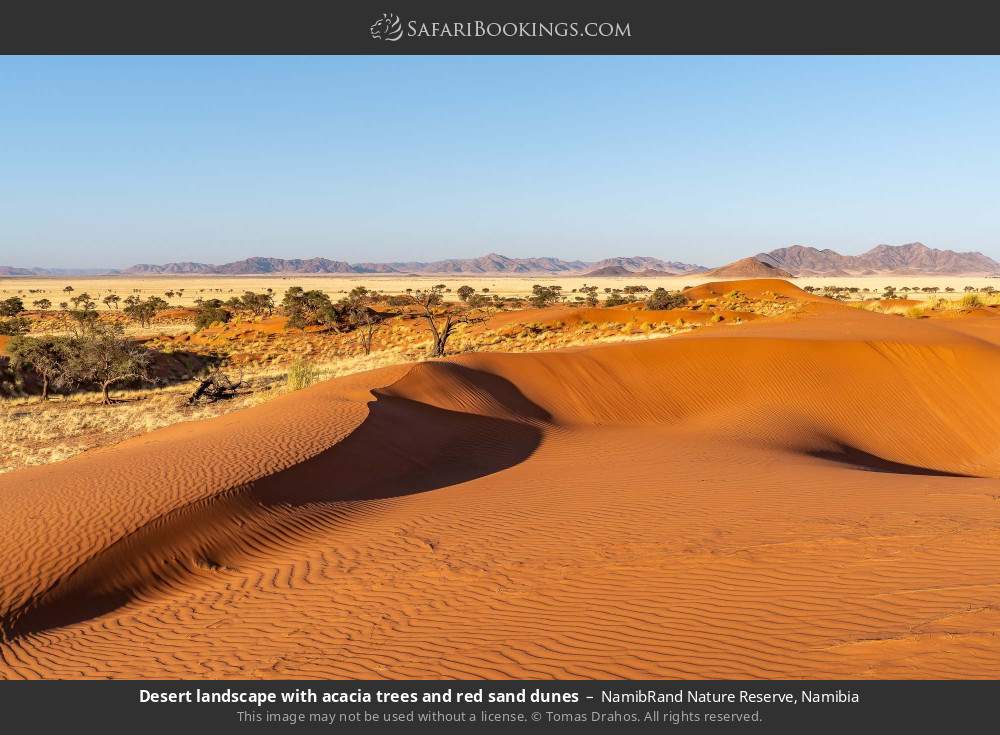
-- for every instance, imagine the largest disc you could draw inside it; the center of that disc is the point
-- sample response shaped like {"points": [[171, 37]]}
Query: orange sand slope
{"points": [[810, 497]]}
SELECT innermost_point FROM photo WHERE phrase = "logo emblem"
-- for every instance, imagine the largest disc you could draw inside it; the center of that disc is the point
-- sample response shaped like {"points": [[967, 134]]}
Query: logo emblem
{"points": [[387, 28]]}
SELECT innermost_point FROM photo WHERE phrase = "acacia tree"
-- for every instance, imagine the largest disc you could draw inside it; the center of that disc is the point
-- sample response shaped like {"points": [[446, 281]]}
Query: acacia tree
{"points": [[589, 294], [307, 308], [105, 357], [542, 296], [42, 304], [45, 356], [143, 311], [83, 302], [367, 323], [258, 304], [111, 300], [442, 318], [11, 307]]}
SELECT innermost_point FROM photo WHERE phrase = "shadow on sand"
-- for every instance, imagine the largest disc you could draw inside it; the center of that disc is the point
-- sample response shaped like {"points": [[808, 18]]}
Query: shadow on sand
{"points": [[403, 447]]}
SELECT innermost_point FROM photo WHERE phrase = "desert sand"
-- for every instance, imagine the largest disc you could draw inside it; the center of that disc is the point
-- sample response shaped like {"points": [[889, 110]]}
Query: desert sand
{"points": [[814, 496]]}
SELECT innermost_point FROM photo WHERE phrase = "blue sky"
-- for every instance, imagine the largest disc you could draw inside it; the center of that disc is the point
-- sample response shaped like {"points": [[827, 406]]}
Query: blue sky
{"points": [[113, 161]]}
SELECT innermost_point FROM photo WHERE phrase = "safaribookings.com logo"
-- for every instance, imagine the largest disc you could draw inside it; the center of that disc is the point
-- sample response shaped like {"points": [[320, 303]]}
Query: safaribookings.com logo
{"points": [[387, 28], [390, 28]]}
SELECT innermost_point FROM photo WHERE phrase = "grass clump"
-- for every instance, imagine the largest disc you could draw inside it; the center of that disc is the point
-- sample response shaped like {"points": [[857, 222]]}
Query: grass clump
{"points": [[300, 375], [971, 301]]}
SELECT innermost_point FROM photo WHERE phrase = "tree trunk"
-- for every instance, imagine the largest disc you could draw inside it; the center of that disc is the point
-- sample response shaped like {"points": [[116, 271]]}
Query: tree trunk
{"points": [[104, 393], [441, 342], [45, 387]]}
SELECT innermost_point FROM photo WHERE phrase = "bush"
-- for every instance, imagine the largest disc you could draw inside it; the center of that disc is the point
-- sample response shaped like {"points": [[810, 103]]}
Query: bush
{"points": [[971, 301], [258, 304], [14, 327], [542, 296], [300, 375], [143, 311], [11, 307], [207, 315], [662, 299], [311, 308], [617, 299]]}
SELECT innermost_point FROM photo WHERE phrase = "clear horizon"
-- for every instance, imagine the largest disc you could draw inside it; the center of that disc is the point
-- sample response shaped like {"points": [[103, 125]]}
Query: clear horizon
{"points": [[470, 257], [115, 161]]}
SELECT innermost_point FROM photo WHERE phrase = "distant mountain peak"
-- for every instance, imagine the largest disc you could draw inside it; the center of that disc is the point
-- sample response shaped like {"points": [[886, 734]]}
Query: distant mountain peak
{"points": [[914, 258]]}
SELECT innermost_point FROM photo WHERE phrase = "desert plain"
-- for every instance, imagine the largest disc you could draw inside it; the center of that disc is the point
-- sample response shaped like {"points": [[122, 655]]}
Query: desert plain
{"points": [[774, 485], [190, 288]]}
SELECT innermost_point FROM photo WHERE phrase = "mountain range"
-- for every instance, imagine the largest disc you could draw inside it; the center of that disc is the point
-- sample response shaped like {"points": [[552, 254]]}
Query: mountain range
{"points": [[492, 264], [9, 270], [797, 260], [914, 258]]}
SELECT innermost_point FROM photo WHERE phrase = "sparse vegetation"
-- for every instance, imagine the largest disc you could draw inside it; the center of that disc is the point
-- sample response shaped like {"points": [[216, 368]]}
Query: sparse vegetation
{"points": [[618, 298], [442, 318], [97, 355], [105, 357], [309, 308], [300, 375], [315, 334], [258, 304], [211, 312], [11, 307], [662, 300], [143, 310], [14, 327], [542, 296], [46, 357], [971, 301]]}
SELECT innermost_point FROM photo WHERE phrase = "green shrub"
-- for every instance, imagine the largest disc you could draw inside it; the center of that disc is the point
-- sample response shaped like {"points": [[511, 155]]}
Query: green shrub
{"points": [[209, 315], [11, 307], [300, 375], [662, 299], [14, 327], [542, 296]]}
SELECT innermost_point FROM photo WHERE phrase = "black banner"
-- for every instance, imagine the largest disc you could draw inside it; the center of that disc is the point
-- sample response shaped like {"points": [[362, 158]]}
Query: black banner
{"points": [[517, 706], [512, 27]]}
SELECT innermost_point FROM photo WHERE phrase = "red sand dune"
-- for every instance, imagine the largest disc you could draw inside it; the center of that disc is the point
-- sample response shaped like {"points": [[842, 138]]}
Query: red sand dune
{"points": [[748, 268], [810, 497], [753, 288]]}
